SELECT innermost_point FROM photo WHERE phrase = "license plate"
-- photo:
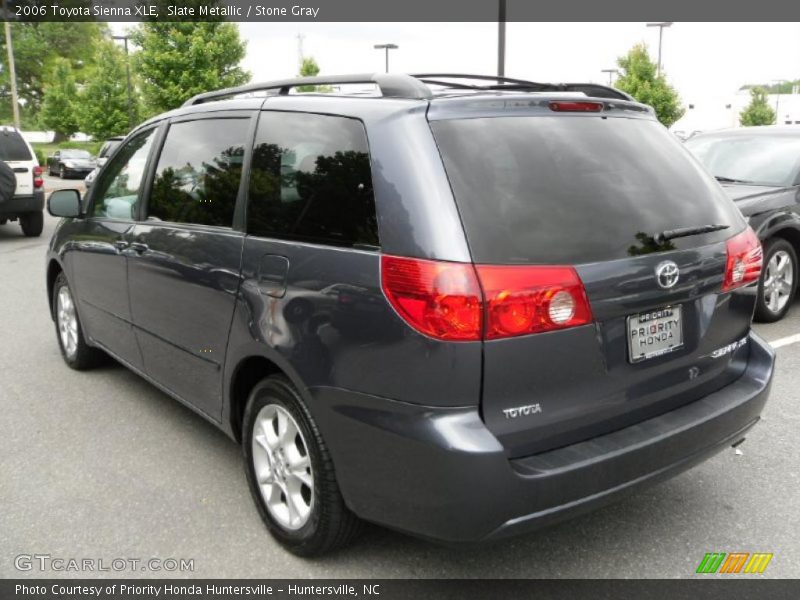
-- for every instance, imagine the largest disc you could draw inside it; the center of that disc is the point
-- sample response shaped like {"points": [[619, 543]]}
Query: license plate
{"points": [[654, 333]]}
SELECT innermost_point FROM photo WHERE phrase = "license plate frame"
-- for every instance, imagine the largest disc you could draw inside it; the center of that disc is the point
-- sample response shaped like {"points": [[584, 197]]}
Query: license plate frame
{"points": [[663, 332]]}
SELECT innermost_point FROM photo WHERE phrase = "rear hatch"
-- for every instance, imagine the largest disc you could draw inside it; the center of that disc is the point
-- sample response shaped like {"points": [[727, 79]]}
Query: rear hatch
{"points": [[14, 151], [591, 192]]}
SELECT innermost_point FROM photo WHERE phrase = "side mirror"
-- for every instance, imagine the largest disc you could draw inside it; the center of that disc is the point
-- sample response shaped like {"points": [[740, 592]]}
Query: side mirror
{"points": [[64, 203]]}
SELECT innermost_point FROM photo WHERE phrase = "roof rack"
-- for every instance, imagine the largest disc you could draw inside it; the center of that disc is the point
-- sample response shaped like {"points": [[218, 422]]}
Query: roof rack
{"points": [[391, 86], [413, 86]]}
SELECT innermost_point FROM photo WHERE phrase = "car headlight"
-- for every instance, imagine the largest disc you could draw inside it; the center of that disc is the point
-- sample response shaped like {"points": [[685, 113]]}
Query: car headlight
{"points": [[69, 164]]}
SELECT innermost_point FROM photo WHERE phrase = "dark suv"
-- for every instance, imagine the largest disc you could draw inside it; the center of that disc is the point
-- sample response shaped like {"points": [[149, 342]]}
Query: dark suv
{"points": [[459, 309]]}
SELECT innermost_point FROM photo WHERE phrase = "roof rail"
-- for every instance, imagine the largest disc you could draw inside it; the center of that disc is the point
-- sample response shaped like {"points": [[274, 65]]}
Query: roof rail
{"points": [[391, 86], [507, 83]]}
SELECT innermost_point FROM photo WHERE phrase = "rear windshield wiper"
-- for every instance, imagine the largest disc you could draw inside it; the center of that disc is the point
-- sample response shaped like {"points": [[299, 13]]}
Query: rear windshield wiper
{"points": [[671, 234], [722, 179]]}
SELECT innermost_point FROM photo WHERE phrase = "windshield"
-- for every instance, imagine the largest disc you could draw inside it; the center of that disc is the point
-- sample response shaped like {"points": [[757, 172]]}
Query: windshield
{"points": [[772, 160], [75, 154], [573, 190]]}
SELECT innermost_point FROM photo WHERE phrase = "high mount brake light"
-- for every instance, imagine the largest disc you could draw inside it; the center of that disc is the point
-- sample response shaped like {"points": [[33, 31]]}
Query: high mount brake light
{"points": [[459, 301], [743, 264], [570, 106]]}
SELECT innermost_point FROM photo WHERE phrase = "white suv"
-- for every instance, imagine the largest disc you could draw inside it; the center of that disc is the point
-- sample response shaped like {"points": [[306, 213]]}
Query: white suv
{"points": [[27, 203]]}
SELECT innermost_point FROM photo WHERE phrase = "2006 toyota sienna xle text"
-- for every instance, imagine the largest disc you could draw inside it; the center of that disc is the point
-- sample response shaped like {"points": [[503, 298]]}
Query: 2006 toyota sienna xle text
{"points": [[460, 310]]}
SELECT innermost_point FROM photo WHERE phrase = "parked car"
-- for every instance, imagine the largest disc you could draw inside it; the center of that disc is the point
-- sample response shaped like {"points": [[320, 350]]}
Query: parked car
{"points": [[106, 150], [71, 163], [462, 311], [27, 202], [759, 167]]}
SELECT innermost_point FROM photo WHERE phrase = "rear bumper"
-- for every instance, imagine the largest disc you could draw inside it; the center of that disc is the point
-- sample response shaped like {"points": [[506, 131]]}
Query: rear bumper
{"points": [[23, 204], [439, 473]]}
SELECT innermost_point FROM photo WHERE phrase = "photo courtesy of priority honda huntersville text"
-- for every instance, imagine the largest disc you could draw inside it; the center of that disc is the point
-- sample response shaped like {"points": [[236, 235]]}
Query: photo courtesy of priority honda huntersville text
{"points": [[461, 307]]}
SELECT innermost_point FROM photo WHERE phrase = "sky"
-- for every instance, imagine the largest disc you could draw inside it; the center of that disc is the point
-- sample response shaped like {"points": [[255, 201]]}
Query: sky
{"points": [[706, 62]]}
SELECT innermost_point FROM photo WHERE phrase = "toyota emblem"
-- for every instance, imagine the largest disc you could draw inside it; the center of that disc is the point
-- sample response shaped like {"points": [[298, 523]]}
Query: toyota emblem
{"points": [[667, 274]]}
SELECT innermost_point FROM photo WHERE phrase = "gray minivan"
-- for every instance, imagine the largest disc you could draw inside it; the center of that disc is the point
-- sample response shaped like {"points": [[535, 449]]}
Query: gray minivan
{"points": [[460, 307]]}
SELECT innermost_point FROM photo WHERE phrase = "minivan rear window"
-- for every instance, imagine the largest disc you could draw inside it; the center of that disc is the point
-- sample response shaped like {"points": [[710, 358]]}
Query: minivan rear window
{"points": [[576, 189], [13, 147]]}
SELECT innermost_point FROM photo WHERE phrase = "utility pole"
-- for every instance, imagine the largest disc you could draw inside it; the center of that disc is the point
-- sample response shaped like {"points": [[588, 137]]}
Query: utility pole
{"points": [[124, 38], [386, 48], [501, 38], [661, 25], [300, 38], [611, 73], [12, 71]]}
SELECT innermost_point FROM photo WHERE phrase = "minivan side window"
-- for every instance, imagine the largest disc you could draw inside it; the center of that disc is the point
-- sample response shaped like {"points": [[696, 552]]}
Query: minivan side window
{"points": [[117, 193], [310, 180], [198, 173]]}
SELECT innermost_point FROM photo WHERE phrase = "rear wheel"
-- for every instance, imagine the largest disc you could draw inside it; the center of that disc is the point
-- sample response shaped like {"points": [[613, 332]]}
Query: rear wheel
{"points": [[290, 472], [32, 223], [778, 281], [76, 352]]}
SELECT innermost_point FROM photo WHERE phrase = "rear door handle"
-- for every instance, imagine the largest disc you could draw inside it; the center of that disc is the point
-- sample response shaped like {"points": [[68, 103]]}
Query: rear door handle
{"points": [[139, 247], [120, 245]]}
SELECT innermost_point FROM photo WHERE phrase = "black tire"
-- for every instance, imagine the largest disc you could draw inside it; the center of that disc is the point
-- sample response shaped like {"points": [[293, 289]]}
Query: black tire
{"points": [[85, 356], [330, 525], [764, 314], [3, 221], [32, 224]]}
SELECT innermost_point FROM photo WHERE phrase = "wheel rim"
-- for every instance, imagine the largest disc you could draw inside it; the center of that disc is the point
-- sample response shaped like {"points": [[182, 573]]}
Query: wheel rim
{"points": [[282, 467], [779, 281], [67, 322]]}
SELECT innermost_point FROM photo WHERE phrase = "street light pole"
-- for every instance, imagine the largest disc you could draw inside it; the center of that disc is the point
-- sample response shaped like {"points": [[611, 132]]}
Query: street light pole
{"points": [[12, 71], [386, 48], [501, 38], [124, 38], [661, 25], [611, 73]]}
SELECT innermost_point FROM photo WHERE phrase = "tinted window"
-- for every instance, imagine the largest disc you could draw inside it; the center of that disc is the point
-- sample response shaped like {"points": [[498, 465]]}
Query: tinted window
{"points": [[198, 173], [83, 154], [13, 147], [117, 193], [570, 190], [310, 180], [759, 159], [107, 148]]}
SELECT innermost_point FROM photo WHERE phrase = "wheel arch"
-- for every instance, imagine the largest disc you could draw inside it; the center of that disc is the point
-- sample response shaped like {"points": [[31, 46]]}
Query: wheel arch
{"points": [[247, 373]]}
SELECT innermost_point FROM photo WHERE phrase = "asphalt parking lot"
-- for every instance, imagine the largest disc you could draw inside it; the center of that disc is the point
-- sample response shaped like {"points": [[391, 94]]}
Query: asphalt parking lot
{"points": [[102, 465]]}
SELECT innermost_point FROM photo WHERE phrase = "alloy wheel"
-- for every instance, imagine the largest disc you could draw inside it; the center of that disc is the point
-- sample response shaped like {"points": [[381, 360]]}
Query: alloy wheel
{"points": [[283, 467], [779, 281], [67, 322]]}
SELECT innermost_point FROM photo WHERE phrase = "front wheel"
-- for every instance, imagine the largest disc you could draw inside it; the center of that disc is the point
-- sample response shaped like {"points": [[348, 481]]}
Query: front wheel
{"points": [[290, 472], [32, 224], [778, 281], [76, 352]]}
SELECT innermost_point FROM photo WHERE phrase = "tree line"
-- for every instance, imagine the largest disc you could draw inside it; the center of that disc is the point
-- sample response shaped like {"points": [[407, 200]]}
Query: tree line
{"points": [[74, 77]]}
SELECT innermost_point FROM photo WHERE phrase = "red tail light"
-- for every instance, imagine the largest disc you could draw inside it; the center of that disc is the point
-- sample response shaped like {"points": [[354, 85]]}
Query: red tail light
{"points": [[562, 106], [744, 260], [37, 177], [523, 300], [444, 300], [440, 299]]}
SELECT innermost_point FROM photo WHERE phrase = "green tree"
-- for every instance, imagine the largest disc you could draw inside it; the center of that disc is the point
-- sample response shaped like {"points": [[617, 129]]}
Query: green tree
{"points": [[639, 79], [59, 107], [104, 100], [37, 47], [758, 112], [175, 61]]}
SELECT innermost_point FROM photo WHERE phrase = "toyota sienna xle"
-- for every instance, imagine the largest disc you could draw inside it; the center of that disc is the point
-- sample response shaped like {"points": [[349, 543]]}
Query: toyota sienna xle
{"points": [[459, 307]]}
